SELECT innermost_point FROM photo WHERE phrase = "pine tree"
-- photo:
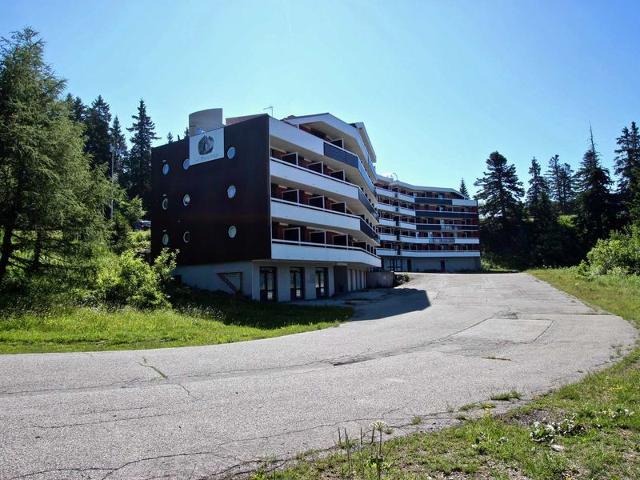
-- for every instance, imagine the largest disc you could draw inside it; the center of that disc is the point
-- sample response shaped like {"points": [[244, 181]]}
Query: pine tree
{"points": [[51, 202], [500, 189], [170, 137], [186, 132], [118, 148], [594, 207], [137, 171], [463, 188], [77, 110], [545, 245], [538, 201], [98, 135], [567, 189], [627, 167]]}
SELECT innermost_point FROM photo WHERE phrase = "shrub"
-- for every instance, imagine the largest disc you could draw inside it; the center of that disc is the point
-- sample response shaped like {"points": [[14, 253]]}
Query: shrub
{"points": [[618, 254], [127, 279]]}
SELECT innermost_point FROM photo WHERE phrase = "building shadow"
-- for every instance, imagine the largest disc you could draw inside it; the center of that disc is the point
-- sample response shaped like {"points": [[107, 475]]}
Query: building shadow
{"points": [[389, 302]]}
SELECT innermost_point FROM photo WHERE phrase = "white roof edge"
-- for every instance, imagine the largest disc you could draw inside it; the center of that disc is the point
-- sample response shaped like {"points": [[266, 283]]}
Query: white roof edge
{"points": [[391, 181]]}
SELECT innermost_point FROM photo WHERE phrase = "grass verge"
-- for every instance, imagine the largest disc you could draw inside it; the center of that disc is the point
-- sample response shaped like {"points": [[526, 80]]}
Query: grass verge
{"points": [[203, 319], [587, 430]]}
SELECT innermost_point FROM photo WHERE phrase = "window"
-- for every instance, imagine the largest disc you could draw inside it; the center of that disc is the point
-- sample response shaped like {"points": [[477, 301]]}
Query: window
{"points": [[268, 288], [186, 199], [165, 239], [231, 152], [231, 191], [297, 283], [165, 202], [185, 164], [165, 168], [321, 282], [186, 237], [232, 231]]}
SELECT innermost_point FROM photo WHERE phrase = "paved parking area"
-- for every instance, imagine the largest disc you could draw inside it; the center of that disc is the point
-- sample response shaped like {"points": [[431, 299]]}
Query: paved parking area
{"points": [[425, 349]]}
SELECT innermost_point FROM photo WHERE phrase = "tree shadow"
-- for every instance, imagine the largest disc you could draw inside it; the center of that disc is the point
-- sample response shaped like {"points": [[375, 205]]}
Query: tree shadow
{"points": [[389, 303]]}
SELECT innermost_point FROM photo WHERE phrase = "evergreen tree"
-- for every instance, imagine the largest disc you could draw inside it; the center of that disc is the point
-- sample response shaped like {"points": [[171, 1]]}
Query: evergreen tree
{"points": [[77, 110], [98, 136], [463, 188], [118, 148], [51, 202], [500, 190], [170, 137], [545, 247], [594, 206], [554, 173], [567, 191], [186, 132], [627, 167], [137, 170]]}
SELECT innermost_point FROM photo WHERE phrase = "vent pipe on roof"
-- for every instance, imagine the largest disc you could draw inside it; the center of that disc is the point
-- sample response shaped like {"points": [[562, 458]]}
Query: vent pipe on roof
{"points": [[205, 120]]}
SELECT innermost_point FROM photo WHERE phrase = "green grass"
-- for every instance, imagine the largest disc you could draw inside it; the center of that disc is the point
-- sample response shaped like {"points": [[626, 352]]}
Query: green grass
{"points": [[599, 418], [506, 396], [202, 320]]}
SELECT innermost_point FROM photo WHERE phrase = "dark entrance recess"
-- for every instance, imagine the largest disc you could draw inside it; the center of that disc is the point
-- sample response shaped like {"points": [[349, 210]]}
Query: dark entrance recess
{"points": [[297, 283], [322, 289], [268, 286]]}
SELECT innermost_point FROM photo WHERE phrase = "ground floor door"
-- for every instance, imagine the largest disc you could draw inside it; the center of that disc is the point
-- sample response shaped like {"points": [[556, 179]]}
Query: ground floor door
{"points": [[268, 285], [296, 275], [322, 287]]}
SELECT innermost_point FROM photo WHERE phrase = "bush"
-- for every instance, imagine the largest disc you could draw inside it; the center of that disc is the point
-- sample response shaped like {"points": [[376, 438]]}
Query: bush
{"points": [[127, 279], [618, 254]]}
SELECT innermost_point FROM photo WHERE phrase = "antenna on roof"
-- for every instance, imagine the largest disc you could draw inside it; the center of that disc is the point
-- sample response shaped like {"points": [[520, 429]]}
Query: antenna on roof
{"points": [[270, 107]]}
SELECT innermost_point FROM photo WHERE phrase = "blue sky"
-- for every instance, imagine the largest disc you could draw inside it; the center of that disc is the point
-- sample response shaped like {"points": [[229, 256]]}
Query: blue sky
{"points": [[439, 85]]}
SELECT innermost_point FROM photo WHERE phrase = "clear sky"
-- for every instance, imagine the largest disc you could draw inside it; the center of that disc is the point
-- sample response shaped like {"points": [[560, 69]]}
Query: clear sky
{"points": [[439, 84]]}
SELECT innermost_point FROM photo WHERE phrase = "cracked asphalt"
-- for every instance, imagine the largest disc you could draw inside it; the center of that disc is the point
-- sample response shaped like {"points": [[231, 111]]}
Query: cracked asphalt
{"points": [[424, 349]]}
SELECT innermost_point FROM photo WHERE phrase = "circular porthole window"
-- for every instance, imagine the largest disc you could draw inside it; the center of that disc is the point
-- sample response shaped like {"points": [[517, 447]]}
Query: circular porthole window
{"points": [[231, 152], [186, 164], [165, 168], [165, 203], [231, 191], [186, 200], [232, 231], [186, 237], [165, 239]]}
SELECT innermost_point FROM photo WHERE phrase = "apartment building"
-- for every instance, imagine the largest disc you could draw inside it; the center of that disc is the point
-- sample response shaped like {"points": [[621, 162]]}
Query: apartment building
{"points": [[275, 210], [426, 229]]}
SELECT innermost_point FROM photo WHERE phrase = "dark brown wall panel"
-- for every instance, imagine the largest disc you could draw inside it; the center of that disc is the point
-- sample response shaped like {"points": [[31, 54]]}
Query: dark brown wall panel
{"points": [[211, 212]]}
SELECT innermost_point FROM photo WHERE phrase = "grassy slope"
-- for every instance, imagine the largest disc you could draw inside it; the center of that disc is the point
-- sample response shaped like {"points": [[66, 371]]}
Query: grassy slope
{"points": [[605, 443], [204, 321]]}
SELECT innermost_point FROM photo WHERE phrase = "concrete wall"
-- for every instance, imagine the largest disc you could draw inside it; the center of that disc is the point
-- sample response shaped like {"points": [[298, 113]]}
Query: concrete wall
{"points": [[206, 276], [380, 279], [421, 264]]}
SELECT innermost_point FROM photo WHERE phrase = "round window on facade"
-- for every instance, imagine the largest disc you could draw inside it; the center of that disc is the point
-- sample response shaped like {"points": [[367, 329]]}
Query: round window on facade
{"points": [[186, 237], [186, 164], [231, 152], [232, 231], [186, 200], [165, 168], [165, 239], [231, 191], [165, 202]]}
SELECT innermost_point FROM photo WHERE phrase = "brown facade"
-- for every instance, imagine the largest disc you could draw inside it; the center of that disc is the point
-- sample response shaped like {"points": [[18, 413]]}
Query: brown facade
{"points": [[200, 230]]}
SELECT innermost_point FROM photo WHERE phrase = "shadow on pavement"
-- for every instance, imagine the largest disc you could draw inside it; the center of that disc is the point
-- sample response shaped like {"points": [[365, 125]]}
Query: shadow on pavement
{"points": [[388, 303]]}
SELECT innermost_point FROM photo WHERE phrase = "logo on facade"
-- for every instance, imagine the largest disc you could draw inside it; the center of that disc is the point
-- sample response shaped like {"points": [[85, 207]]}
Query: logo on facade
{"points": [[205, 145]]}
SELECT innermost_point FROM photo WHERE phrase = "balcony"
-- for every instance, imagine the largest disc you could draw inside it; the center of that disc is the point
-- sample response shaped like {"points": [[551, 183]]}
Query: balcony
{"points": [[405, 198], [446, 227], [321, 252], [298, 213], [385, 193], [386, 252], [445, 214], [388, 222], [304, 178], [406, 211], [439, 253], [388, 237], [407, 226], [385, 207], [349, 158]]}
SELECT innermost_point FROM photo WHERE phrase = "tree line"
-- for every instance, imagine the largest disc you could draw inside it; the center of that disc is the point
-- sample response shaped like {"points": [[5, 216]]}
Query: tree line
{"points": [[71, 188], [563, 213]]}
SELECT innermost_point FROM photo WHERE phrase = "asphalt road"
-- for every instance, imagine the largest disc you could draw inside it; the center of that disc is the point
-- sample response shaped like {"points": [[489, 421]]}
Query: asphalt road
{"points": [[426, 349]]}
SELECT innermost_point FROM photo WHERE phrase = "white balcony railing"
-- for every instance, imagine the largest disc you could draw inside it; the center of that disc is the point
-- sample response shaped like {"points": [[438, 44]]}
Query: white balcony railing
{"points": [[321, 252]]}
